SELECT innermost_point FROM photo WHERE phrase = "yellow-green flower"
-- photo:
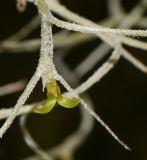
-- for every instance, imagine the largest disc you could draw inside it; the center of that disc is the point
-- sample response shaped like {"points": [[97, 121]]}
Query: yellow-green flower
{"points": [[54, 96]]}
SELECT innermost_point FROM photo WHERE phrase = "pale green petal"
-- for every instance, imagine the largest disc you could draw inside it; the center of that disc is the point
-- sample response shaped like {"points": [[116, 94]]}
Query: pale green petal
{"points": [[48, 106], [58, 90], [67, 102], [52, 88]]}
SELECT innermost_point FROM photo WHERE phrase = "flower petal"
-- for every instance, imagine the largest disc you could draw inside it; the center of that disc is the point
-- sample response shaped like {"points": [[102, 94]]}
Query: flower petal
{"points": [[48, 106], [52, 88], [67, 102]]}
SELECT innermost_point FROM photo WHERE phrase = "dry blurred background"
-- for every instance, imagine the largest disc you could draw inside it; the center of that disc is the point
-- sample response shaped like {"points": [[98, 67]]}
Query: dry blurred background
{"points": [[119, 98]]}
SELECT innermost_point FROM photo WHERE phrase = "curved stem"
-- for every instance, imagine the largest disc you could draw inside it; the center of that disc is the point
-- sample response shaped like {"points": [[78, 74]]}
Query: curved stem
{"points": [[100, 72], [30, 141]]}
